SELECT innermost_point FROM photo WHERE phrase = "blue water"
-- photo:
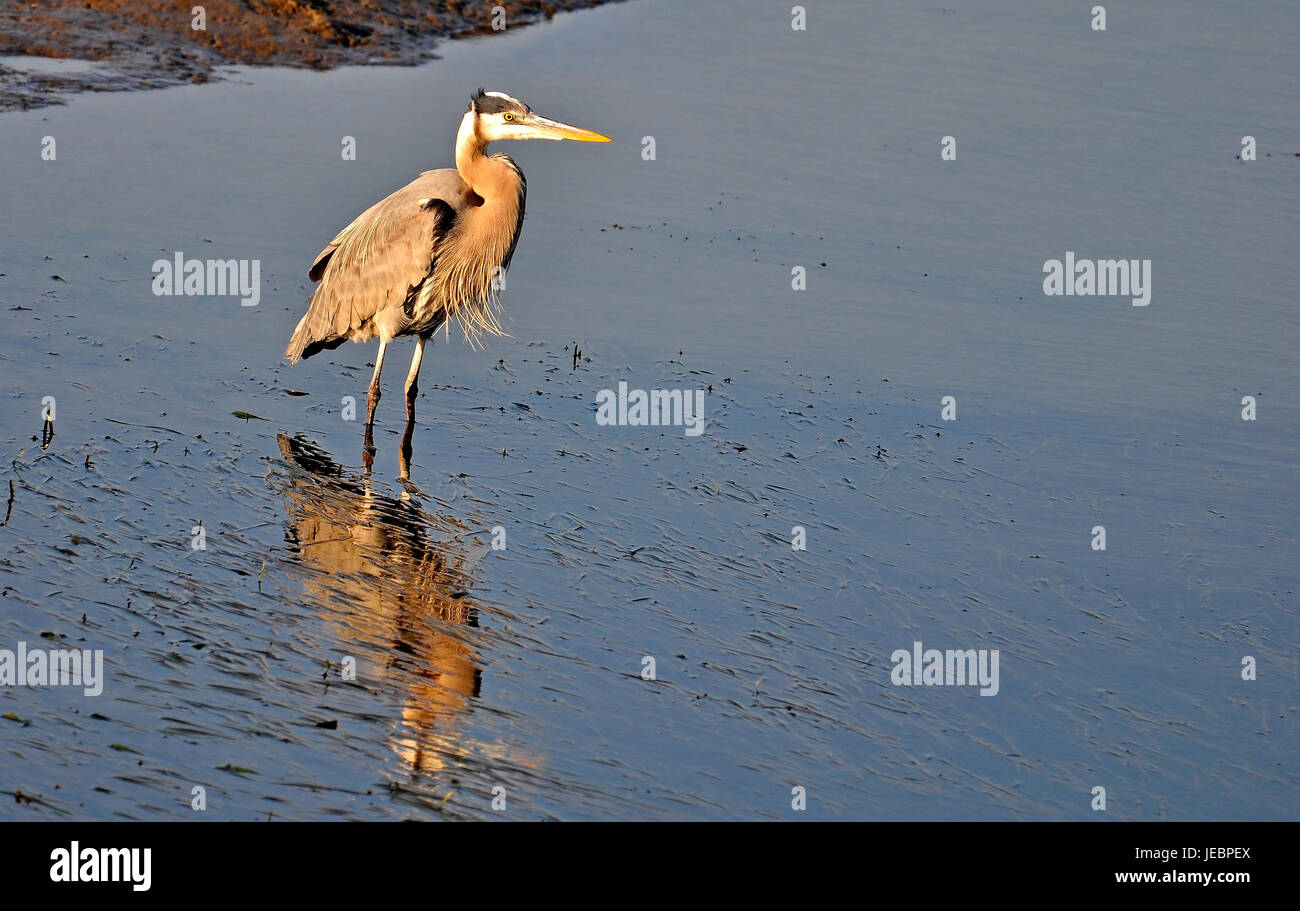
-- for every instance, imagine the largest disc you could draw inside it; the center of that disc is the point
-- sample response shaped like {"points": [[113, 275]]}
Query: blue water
{"points": [[522, 668]]}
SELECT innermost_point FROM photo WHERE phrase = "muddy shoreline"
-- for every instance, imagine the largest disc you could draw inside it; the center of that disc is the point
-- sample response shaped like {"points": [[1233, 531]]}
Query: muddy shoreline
{"points": [[149, 44]]}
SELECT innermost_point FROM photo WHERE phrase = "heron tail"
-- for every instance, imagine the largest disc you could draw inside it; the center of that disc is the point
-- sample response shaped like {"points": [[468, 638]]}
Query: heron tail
{"points": [[304, 342]]}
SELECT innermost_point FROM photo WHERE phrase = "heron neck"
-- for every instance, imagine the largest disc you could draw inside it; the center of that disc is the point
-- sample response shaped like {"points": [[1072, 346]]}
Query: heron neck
{"points": [[486, 177]]}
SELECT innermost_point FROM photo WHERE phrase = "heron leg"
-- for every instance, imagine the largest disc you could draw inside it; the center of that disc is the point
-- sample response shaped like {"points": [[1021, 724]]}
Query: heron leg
{"points": [[412, 390], [412, 379], [373, 400]]}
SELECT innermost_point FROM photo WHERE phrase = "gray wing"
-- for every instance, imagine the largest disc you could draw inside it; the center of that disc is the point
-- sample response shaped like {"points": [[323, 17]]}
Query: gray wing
{"points": [[377, 263]]}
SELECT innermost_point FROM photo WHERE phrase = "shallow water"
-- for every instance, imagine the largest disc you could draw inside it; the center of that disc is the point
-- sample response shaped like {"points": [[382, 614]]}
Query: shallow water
{"points": [[521, 668], [56, 65]]}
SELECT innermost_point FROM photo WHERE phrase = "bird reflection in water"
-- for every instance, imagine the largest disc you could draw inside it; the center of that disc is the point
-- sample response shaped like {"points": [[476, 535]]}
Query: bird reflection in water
{"points": [[391, 578]]}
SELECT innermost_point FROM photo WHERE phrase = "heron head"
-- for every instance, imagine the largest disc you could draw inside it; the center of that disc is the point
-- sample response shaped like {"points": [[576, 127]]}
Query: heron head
{"points": [[498, 116]]}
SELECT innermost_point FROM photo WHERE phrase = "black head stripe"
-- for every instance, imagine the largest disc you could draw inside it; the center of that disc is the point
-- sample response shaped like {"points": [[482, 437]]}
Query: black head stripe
{"points": [[483, 103]]}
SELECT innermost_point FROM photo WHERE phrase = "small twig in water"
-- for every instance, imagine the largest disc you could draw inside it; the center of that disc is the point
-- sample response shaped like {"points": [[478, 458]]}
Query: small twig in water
{"points": [[146, 426], [9, 510]]}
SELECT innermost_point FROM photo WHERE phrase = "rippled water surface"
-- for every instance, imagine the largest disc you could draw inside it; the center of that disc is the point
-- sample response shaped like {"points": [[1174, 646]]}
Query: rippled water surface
{"points": [[521, 668]]}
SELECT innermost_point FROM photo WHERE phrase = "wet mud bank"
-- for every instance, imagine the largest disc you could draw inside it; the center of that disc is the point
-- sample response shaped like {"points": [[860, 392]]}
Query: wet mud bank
{"points": [[147, 44]]}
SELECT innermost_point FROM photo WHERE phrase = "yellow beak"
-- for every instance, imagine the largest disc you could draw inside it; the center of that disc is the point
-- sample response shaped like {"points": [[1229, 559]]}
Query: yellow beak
{"points": [[554, 129]]}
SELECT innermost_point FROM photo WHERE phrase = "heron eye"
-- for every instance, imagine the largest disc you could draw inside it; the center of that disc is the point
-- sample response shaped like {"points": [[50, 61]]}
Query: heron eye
{"points": [[508, 116]]}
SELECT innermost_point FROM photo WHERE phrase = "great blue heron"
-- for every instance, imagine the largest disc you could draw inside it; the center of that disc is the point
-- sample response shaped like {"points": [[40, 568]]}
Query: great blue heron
{"points": [[433, 251]]}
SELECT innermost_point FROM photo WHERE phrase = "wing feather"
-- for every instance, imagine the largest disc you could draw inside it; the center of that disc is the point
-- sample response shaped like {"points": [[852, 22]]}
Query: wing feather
{"points": [[378, 262]]}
